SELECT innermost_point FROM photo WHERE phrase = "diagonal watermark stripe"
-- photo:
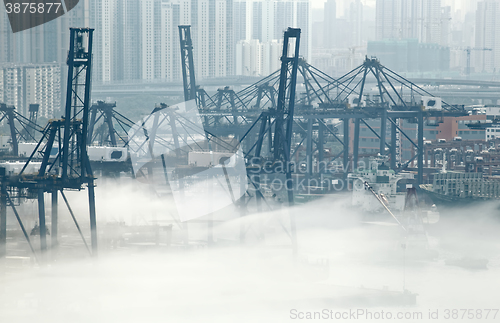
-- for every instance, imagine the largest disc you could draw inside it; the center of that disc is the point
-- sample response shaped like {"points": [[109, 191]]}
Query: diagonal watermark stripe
{"points": [[177, 132], [26, 14]]}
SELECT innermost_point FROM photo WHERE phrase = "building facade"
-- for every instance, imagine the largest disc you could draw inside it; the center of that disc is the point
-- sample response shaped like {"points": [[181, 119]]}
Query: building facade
{"points": [[267, 20], [25, 84], [264, 24], [448, 129], [408, 55], [404, 19], [254, 58], [330, 26], [139, 39], [487, 40]]}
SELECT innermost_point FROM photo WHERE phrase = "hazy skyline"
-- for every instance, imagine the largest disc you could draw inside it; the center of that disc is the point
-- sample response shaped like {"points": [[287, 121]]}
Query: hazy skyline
{"points": [[341, 3]]}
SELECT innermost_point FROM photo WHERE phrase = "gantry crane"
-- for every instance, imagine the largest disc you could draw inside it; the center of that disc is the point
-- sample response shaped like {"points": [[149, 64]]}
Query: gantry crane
{"points": [[70, 169], [191, 90], [21, 129]]}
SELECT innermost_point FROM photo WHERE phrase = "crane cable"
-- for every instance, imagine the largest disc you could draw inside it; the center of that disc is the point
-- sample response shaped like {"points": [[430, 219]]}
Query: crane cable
{"points": [[368, 187]]}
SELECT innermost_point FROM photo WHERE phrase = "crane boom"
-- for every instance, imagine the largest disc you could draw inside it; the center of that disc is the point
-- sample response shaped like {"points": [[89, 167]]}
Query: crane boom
{"points": [[468, 50]]}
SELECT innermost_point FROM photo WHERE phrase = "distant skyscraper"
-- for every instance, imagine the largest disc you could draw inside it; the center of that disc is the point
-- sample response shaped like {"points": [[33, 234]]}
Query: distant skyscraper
{"points": [[254, 58], [24, 84], [150, 37], [257, 20], [79, 16], [249, 57], [240, 13], [96, 22], [330, 26], [138, 39], [487, 36], [429, 20], [403, 19], [48, 42], [303, 21], [267, 15], [271, 54], [388, 22], [127, 58], [285, 16], [173, 14], [445, 26], [356, 22], [212, 31], [270, 18], [37, 57], [116, 52]]}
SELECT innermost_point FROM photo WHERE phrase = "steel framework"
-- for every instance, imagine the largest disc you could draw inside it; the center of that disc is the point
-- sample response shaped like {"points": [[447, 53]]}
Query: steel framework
{"points": [[21, 129], [370, 91], [104, 120], [191, 90], [70, 169]]}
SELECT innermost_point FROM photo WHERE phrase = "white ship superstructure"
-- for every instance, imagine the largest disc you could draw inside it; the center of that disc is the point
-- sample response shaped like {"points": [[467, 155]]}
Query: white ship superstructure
{"points": [[389, 185]]}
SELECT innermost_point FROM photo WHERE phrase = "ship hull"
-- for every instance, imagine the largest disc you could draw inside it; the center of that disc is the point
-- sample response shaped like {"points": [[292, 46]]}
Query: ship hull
{"points": [[452, 201]]}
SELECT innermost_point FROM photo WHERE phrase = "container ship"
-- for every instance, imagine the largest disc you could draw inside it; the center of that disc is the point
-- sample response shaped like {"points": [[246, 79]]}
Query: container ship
{"points": [[455, 189]]}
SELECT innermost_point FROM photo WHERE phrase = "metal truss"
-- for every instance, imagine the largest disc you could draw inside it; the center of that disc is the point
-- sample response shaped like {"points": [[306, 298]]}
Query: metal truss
{"points": [[21, 129], [65, 164], [107, 126]]}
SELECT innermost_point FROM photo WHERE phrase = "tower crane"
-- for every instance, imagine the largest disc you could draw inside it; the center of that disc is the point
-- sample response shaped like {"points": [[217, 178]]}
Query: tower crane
{"points": [[468, 50]]}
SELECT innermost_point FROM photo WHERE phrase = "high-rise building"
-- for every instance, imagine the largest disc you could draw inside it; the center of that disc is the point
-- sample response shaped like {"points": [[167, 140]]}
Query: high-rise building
{"points": [[445, 26], [303, 21], [429, 21], [285, 15], [127, 54], [34, 61], [487, 43], [25, 84], [212, 32], [45, 43], [270, 18], [48, 42], [139, 39], [330, 26], [173, 14], [150, 17], [356, 22], [404, 19], [254, 58], [241, 26], [256, 20], [271, 56], [249, 57], [388, 22]]}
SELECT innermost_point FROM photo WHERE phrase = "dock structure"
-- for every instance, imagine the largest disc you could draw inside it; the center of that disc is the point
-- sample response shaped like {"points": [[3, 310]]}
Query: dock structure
{"points": [[70, 169], [298, 117]]}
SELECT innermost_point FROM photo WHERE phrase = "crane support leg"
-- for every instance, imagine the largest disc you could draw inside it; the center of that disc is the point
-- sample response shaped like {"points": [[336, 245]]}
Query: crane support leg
{"points": [[54, 219], [41, 220]]}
